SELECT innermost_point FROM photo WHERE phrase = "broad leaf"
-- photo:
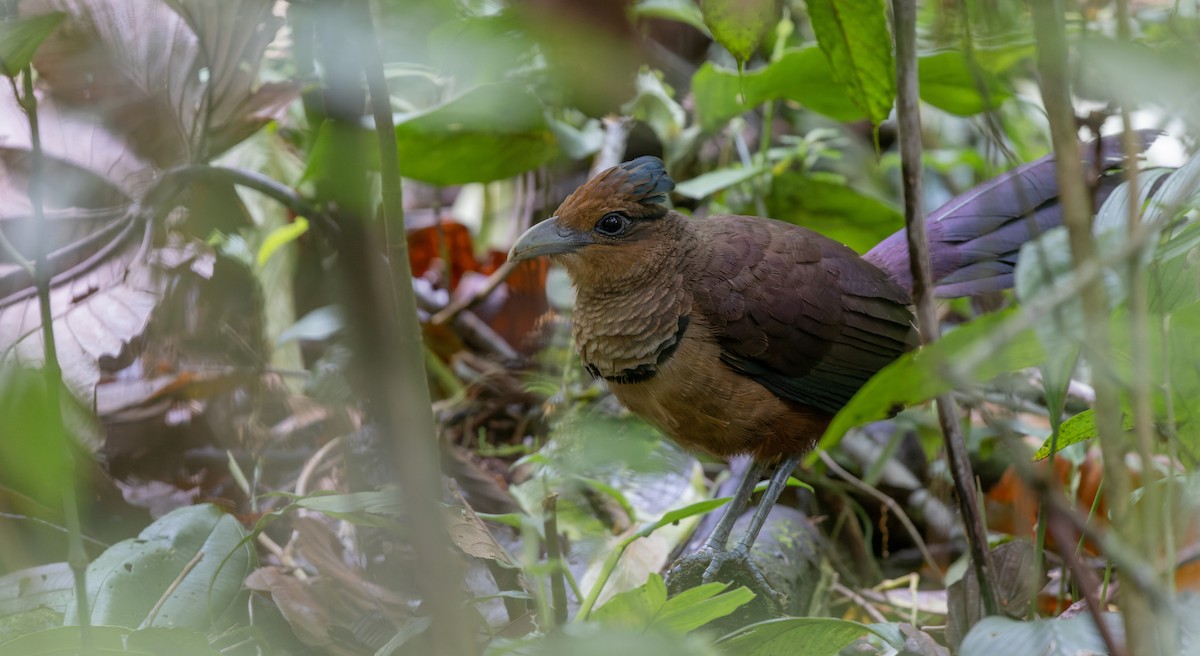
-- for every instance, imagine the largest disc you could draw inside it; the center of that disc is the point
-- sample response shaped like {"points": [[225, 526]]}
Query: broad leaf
{"points": [[740, 25], [947, 82], [190, 564], [802, 75], [111, 640], [176, 85], [924, 374], [489, 133], [795, 636], [647, 608], [1077, 635], [834, 209], [854, 36], [20, 38]]}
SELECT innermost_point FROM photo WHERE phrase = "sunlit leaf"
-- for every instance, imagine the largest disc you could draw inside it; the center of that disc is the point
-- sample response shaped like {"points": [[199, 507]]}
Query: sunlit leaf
{"points": [[707, 184], [1080, 428], [20, 38], [802, 75], [648, 608], [740, 25], [854, 36], [280, 237]]}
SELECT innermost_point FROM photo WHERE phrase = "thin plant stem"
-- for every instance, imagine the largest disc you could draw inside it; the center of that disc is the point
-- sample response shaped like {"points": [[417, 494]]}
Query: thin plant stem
{"points": [[52, 371], [1145, 632], [909, 121]]}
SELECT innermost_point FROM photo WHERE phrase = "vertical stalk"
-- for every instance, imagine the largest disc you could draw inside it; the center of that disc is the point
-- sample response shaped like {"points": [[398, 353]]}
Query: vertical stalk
{"points": [[909, 120], [378, 299], [51, 370], [1145, 632]]}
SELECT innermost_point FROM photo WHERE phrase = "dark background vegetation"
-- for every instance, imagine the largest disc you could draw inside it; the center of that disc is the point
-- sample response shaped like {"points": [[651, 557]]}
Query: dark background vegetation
{"points": [[253, 298]]}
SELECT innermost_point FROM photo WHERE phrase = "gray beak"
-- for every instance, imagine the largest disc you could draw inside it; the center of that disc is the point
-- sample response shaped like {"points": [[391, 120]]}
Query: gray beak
{"points": [[548, 238]]}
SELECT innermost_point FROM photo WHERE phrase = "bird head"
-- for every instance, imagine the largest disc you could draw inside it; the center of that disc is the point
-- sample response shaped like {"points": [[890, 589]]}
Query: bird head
{"points": [[611, 224]]}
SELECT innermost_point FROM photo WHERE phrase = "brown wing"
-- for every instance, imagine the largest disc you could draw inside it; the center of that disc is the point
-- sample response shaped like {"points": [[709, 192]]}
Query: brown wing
{"points": [[801, 314]]}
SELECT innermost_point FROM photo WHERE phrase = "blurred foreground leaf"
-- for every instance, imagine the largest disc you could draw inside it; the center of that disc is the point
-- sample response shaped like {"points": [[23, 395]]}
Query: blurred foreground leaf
{"points": [[795, 636], [740, 25], [20, 38], [1057, 637], [184, 570], [104, 640]]}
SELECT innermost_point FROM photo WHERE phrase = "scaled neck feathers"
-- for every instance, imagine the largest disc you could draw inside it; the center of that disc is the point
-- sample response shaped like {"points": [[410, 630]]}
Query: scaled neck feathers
{"points": [[629, 324]]}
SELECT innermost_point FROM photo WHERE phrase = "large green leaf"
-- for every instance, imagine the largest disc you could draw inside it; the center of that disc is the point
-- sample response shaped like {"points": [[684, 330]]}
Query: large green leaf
{"points": [[948, 83], [489, 133], [190, 564], [114, 640], [20, 38], [740, 25], [924, 374], [854, 36], [648, 608], [801, 75], [1000, 636], [794, 636], [834, 209]]}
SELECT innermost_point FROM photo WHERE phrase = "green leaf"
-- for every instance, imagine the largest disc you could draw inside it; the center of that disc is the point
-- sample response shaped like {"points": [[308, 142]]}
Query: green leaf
{"points": [[683, 11], [922, 375], [648, 608], [20, 38], [491, 132], [280, 237], [104, 640], [695, 607], [1077, 429], [836, 210], [133, 576], [1054, 637], [801, 75], [707, 184], [634, 609], [947, 82], [854, 35], [794, 636], [740, 25]]}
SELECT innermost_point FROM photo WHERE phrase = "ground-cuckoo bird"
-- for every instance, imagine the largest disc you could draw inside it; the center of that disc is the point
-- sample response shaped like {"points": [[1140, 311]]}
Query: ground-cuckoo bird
{"points": [[745, 335]]}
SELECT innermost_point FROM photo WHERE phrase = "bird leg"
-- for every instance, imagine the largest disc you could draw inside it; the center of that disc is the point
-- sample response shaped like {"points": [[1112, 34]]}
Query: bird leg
{"points": [[741, 552], [741, 498]]}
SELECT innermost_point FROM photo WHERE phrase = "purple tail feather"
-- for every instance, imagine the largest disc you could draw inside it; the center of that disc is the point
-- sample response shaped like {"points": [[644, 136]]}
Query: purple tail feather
{"points": [[974, 239]]}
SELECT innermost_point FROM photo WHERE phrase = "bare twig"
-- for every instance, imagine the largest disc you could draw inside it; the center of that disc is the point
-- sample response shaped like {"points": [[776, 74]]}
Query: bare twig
{"points": [[867, 606], [891, 504], [187, 569], [455, 307], [909, 120]]}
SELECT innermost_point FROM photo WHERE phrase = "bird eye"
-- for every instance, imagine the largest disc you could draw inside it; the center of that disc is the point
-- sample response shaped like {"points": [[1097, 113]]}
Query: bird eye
{"points": [[612, 224]]}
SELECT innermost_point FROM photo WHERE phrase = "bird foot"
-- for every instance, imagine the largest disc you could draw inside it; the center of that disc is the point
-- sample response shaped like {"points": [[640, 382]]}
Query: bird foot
{"points": [[734, 566]]}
